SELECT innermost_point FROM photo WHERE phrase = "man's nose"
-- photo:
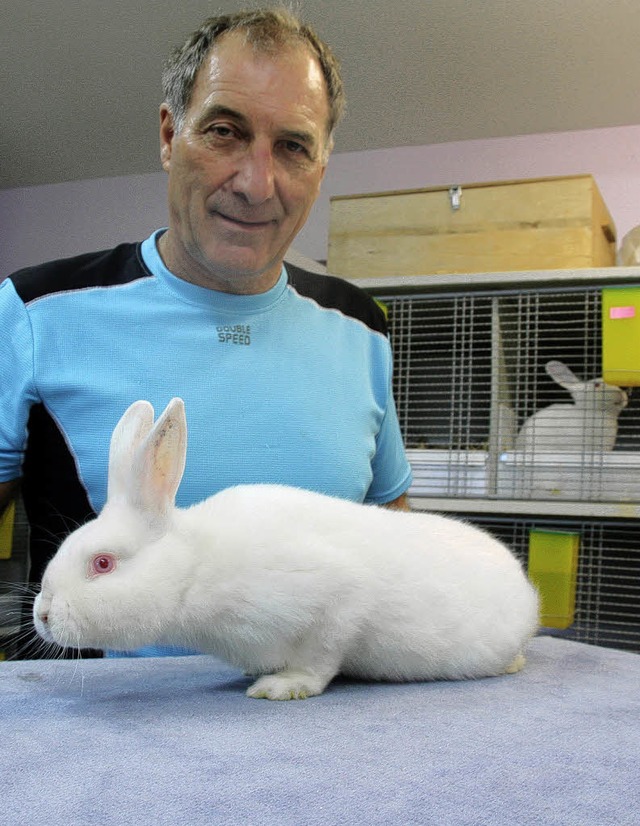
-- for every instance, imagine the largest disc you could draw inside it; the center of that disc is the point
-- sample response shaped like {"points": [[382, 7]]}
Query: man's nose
{"points": [[255, 178]]}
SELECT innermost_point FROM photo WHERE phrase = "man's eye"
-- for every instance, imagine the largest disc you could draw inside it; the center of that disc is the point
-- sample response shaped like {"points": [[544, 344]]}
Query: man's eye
{"points": [[295, 148], [220, 130]]}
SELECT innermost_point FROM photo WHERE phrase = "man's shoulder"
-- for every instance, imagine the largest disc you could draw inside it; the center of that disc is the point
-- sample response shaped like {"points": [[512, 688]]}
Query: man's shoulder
{"points": [[119, 265], [335, 293]]}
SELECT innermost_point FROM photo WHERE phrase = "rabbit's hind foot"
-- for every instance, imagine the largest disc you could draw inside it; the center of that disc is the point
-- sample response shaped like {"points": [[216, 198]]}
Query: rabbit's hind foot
{"points": [[517, 664], [287, 685]]}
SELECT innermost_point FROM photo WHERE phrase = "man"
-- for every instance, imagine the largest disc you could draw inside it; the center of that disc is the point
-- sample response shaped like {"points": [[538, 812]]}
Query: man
{"points": [[286, 375]]}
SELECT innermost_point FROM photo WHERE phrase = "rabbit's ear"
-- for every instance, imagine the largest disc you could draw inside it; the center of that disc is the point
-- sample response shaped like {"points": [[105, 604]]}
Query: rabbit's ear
{"points": [[160, 462], [561, 374], [135, 424]]}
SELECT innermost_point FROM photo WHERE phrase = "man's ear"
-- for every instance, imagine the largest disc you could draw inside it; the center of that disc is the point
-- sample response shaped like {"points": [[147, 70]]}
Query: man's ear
{"points": [[167, 132]]}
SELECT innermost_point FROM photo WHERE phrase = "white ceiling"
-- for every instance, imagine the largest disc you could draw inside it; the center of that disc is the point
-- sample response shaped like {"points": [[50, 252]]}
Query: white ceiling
{"points": [[80, 78]]}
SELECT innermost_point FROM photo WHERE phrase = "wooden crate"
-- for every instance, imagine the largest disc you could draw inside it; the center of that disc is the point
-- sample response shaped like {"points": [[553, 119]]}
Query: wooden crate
{"points": [[537, 224]]}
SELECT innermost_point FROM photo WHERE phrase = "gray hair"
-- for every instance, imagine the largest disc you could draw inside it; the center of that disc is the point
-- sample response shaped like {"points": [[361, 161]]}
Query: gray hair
{"points": [[267, 30]]}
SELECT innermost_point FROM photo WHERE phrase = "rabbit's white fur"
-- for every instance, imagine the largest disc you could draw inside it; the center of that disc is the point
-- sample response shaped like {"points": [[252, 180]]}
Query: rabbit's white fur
{"points": [[284, 583], [589, 425]]}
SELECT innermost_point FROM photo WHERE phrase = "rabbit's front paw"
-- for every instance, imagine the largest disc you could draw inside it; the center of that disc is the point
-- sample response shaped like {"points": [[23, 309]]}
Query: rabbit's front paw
{"points": [[287, 685]]}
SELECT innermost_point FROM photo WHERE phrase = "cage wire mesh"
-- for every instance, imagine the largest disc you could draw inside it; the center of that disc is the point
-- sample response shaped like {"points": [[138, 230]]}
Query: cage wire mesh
{"points": [[607, 595], [497, 396]]}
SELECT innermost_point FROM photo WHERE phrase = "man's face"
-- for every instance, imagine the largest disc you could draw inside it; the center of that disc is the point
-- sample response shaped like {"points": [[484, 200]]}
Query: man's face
{"points": [[246, 167]]}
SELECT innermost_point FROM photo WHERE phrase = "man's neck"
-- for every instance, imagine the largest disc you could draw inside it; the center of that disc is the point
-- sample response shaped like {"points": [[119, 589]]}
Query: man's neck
{"points": [[235, 283]]}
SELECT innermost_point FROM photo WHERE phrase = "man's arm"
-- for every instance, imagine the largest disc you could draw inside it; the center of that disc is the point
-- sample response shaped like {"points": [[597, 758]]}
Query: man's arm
{"points": [[8, 491], [399, 504]]}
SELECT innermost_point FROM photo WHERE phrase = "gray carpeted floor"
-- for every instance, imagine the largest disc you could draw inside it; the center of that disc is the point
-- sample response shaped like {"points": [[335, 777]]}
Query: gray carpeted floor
{"points": [[175, 741]]}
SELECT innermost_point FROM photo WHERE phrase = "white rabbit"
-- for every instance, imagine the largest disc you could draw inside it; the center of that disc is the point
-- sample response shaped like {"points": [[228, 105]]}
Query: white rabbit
{"points": [[281, 582], [589, 425]]}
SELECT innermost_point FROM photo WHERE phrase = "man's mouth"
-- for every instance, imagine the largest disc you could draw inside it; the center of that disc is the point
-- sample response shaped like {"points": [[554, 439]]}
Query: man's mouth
{"points": [[244, 223]]}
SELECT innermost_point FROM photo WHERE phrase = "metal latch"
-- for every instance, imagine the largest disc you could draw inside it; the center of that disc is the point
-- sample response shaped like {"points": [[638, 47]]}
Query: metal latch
{"points": [[455, 196]]}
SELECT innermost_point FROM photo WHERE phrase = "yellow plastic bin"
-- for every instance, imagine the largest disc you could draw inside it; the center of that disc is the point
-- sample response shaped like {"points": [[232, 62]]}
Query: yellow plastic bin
{"points": [[553, 567], [621, 336], [6, 530]]}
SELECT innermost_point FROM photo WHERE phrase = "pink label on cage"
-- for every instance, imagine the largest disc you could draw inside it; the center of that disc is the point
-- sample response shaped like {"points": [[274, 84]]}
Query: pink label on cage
{"points": [[622, 312]]}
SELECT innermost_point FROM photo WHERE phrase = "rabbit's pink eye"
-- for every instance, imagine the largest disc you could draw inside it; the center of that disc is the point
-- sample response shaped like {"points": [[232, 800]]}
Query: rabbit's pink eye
{"points": [[103, 564]]}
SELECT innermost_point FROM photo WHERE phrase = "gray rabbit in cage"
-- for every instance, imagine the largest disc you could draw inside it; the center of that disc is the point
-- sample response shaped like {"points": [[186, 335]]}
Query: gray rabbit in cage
{"points": [[589, 425]]}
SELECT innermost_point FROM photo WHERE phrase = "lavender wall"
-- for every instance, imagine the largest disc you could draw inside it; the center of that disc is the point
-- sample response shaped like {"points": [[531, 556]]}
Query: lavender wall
{"points": [[38, 223], [44, 222]]}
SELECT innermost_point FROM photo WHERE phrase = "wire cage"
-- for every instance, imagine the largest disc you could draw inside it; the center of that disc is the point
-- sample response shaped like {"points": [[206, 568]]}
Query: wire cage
{"points": [[607, 575], [507, 422], [498, 395]]}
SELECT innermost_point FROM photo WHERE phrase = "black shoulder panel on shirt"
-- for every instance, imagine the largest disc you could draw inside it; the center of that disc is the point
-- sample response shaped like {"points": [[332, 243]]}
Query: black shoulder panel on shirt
{"points": [[338, 294], [93, 269], [54, 497], [56, 503]]}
